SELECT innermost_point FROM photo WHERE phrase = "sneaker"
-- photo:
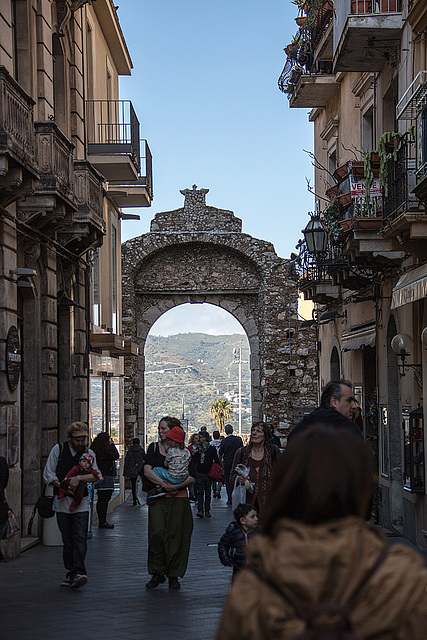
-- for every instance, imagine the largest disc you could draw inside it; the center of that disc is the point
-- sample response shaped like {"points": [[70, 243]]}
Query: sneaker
{"points": [[66, 582], [228, 503], [192, 497], [157, 493], [78, 581], [199, 514], [105, 525], [208, 514], [174, 583], [156, 579]]}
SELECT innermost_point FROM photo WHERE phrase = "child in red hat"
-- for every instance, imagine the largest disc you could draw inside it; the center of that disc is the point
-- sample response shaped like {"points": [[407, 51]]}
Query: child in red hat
{"points": [[83, 467], [177, 461]]}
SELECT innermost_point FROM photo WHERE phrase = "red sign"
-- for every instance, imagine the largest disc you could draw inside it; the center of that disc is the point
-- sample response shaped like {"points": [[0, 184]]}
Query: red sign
{"points": [[358, 190]]}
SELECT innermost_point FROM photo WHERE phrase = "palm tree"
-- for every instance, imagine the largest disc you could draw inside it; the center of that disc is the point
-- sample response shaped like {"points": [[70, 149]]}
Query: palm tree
{"points": [[221, 410]]}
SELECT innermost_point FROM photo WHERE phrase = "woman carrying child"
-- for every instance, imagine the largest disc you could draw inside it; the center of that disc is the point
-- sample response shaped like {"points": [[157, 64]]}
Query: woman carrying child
{"points": [[176, 463], [170, 522]]}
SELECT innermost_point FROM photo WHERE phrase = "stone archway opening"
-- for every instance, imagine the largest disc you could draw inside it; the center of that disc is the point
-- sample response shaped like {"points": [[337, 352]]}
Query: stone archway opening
{"points": [[194, 355]]}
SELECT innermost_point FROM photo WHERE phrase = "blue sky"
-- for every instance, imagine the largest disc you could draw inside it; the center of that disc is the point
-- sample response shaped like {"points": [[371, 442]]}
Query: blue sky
{"points": [[204, 86]]}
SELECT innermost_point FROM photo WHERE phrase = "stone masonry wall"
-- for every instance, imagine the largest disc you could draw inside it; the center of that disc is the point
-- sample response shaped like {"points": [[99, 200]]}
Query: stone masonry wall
{"points": [[199, 254]]}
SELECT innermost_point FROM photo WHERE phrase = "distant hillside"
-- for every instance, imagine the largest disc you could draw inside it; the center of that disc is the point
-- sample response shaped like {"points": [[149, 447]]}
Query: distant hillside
{"points": [[192, 370]]}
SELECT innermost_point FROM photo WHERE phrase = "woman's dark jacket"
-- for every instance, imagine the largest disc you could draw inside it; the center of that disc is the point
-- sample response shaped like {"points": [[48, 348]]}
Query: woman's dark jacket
{"points": [[105, 460], [210, 457], [134, 461], [232, 546]]}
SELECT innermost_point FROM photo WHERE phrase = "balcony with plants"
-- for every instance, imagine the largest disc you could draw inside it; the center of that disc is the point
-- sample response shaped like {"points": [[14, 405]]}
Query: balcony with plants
{"points": [[315, 273], [366, 34], [307, 76]]}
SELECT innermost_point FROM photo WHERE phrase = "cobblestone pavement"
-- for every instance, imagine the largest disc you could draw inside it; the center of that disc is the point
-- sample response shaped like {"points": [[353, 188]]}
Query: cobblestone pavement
{"points": [[115, 605]]}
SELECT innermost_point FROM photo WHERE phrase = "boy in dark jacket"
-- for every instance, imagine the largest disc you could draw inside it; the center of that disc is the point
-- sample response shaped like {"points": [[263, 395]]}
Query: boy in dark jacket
{"points": [[232, 546]]}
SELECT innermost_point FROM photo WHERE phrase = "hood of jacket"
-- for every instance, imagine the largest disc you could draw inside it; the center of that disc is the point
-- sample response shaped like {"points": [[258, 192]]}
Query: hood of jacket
{"points": [[135, 448], [326, 563]]}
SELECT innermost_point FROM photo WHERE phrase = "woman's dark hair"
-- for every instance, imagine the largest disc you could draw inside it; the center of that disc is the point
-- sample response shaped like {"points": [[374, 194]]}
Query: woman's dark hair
{"points": [[204, 434], [101, 443], [216, 435], [265, 428], [171, 422], [325, 473]]}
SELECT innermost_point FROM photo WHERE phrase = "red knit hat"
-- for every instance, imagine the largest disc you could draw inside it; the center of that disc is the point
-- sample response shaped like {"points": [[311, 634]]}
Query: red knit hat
{"points": [[176, 434]]}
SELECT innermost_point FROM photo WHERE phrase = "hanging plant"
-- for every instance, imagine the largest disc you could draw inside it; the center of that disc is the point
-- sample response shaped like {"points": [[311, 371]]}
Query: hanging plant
{"points": [[389, 140], [331, 220], [370, 158]]}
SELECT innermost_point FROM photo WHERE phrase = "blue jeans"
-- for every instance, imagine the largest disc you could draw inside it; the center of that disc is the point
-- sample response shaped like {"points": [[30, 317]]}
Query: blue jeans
{"points": [[203, 492], [73, 528], [164, 473]]}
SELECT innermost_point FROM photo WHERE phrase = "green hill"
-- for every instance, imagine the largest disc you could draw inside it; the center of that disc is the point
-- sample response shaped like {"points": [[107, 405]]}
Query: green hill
{"points": [[187, 372]]}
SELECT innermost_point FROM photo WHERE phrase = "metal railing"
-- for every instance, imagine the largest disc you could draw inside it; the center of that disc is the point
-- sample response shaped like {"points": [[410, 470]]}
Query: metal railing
{"points": [[112, 127], [147, 167], [401, 179], [375, 6], [318, 269]]}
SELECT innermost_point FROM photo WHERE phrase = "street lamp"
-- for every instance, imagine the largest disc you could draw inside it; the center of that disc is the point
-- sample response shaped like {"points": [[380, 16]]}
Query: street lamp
{"points": [[237, 352], [316, 236]]}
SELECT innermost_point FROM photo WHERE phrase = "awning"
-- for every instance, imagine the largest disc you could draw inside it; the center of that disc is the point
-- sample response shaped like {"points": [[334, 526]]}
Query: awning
{"points": [[410, 287], [358, 337]]}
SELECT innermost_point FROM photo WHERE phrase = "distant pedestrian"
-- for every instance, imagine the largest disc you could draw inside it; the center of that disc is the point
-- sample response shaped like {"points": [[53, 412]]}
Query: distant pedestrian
{"points": [[227, 451], [232, 545], [337, 406], [134, 463], [205, 430], [72, 525], [203, 461], [216, 484], [193, 446], [106, 456]]}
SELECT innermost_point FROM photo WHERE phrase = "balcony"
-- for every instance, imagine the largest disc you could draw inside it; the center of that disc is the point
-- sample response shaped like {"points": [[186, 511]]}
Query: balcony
{"points": [[138, 193], [405, 217], [313, 90], [366, 34], [18, 164], [113, 139], [85, 227], [53, 193], [315, 280]]}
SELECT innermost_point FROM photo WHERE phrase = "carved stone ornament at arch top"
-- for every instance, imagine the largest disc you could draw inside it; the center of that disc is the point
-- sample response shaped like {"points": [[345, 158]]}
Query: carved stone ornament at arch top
{"points": [[196, 254]]}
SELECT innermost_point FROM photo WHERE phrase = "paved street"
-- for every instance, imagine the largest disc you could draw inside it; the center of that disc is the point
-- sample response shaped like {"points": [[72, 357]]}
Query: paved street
{"points": [[115, 604]]}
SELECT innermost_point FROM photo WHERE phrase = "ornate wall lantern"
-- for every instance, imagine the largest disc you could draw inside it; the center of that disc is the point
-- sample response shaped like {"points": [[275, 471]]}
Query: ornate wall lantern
{"points": [[316, 236]]}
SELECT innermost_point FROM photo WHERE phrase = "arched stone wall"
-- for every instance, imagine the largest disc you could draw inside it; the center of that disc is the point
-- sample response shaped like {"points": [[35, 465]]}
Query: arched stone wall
{"points": [[199, 254]]}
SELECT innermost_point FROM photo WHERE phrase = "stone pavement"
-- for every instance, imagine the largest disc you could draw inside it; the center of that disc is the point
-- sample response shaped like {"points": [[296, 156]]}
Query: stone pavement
{"points": [[115, 605]]}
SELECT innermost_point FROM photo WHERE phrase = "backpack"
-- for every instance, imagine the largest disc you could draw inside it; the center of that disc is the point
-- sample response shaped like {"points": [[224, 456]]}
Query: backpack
{"points": [[326, 620]]}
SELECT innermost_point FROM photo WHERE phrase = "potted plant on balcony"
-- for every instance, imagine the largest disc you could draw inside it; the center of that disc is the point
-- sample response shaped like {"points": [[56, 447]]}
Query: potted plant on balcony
{"points": [[331, 219]]}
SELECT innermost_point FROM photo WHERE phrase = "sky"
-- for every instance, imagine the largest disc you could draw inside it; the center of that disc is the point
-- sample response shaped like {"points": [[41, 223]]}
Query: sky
{"points": [[204, 87]]}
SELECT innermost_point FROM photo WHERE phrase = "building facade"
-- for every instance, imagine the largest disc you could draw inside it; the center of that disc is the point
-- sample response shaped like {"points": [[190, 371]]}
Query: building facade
{"points": [[70, 157], [360, 67]]}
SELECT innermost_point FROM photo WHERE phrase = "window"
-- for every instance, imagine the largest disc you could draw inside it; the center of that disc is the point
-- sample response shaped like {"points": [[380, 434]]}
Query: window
{"points": [[368, 130], [335, 365], [96, 316]]}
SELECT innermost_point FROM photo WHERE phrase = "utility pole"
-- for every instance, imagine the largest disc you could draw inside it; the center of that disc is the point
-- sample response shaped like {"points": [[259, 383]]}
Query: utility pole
{"points": [[237, 352]]}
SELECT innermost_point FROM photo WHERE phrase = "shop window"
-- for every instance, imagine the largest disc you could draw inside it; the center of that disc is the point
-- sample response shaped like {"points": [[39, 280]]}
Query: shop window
{"points": [[414, 469]]}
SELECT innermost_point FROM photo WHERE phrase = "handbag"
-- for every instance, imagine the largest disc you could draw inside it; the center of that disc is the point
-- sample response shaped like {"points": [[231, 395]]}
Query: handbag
{"points": [[12, 526], [44, 506], [215, 472], [238, 495]]}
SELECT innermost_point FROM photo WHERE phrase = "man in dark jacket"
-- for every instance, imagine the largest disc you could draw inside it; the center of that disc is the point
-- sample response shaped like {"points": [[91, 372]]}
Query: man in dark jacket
{"points": [[337, 406], [134, 463], [203, 460], [227, 451]]}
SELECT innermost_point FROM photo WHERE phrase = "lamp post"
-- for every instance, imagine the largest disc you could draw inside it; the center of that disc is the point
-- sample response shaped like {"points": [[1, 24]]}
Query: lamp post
{"points": [[316, 236]]}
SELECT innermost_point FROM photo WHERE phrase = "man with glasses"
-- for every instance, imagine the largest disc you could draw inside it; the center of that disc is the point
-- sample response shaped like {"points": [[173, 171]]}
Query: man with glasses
{"points": [[72, 525]]}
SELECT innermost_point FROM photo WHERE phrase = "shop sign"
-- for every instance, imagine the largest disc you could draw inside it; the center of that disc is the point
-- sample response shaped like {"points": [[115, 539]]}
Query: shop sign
{"points": [[13, 358]]}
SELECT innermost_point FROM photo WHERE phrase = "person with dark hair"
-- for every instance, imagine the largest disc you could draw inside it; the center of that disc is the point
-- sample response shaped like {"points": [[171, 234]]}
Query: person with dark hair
{"points": [[260, 457], [106, 455], [317, 551], [170, 521], [216, 484], [134, 463], [227, 451], [232, 545], [337, 406], [203, 461]]}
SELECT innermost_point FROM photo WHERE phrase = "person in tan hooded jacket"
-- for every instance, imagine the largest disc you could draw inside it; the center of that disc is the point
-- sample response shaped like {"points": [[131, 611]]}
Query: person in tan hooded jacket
{"points": [[317, 547]]}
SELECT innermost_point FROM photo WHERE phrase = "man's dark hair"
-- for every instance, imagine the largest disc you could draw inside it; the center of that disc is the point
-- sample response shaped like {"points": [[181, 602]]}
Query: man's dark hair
{"points": [[228, 429], [204, 434], [310, 486], [215, 435], [136, 441], [333, 390], [241, 511]]}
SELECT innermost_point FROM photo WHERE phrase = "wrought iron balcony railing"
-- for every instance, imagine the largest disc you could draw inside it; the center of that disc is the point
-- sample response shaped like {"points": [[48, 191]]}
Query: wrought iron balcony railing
{"points": [[112, 128], [401, 180]]}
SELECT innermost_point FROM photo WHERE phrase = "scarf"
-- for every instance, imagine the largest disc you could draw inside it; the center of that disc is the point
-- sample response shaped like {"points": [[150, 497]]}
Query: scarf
{"points": [[202, 450]]}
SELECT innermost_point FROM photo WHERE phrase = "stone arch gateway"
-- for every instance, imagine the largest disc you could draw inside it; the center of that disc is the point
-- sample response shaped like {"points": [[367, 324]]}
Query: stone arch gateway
{"points": [[198, 254]]}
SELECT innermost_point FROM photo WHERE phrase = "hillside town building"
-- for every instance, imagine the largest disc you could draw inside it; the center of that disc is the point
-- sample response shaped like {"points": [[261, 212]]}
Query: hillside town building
{"points": [[361, 67], [70, 159]]}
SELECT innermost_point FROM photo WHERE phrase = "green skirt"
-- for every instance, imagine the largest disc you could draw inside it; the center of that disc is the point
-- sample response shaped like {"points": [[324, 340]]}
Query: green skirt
{"points": [[170, 525]]}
